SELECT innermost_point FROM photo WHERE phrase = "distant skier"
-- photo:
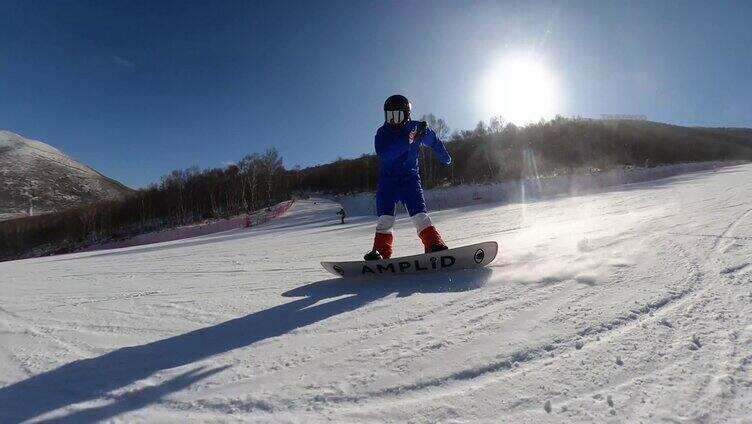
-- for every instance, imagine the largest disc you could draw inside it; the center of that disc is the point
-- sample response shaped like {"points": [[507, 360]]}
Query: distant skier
{"points": [[398, 144], [342, 214]]}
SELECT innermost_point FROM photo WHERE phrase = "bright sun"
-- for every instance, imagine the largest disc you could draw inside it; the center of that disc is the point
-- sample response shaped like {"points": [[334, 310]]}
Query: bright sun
{"points": [[521, 90]]}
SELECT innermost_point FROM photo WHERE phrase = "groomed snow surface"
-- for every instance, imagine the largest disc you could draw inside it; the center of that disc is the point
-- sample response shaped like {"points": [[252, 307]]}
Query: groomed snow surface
{"points": [[630, 305]]}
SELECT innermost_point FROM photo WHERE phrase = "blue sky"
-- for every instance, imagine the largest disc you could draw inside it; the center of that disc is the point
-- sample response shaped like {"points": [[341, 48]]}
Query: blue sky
{"points": [[138, 88]]}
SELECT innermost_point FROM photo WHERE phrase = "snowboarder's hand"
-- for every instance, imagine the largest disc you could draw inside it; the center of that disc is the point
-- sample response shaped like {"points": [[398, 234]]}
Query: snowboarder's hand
{"points": [[417, 133], [413, 136]]}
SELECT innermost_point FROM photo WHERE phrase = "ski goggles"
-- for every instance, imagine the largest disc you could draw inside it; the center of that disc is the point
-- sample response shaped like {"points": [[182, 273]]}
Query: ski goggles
{"points": [[395, 117]]}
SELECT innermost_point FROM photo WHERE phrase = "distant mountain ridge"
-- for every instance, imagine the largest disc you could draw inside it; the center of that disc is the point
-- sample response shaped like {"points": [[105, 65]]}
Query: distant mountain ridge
{"points": [[38, 178]]}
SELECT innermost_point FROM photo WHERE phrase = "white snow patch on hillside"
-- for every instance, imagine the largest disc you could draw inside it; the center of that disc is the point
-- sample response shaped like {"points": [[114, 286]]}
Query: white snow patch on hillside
{"points": [[629, 305], [25, 145]]}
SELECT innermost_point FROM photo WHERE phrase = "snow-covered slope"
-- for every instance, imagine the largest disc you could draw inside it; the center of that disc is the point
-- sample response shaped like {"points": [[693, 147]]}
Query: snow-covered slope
{"points": [[53, 181], [631, 305]]}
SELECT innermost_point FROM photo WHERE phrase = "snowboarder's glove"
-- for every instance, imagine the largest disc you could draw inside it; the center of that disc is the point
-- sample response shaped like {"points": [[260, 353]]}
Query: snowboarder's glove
{"points": [[417, 133]]}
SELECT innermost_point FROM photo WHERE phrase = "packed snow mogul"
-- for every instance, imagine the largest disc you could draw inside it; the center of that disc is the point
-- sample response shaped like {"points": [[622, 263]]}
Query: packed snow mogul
{"points": [[398, 144]]}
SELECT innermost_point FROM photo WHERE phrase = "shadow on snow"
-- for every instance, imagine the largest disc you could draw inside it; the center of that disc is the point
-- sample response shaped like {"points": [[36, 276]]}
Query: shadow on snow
{"points": [[94, 379]]}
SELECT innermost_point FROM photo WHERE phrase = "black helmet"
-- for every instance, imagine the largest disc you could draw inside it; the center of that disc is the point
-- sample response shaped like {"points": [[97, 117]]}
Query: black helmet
{"points": [[397, 110]]}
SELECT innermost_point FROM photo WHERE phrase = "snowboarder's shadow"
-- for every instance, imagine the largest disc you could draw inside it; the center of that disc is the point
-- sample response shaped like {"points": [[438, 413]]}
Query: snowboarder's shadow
{"points": [[99, 377], [402, 286]]}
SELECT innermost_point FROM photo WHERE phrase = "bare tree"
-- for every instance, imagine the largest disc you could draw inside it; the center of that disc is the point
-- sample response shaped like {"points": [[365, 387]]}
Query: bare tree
{"points": [[429, 164], [496, 125], [250, 168], [271, 163], [481, 130]]}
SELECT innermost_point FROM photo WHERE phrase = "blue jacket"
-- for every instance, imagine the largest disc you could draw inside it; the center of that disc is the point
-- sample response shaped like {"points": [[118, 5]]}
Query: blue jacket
{"points": [[398, 156]]}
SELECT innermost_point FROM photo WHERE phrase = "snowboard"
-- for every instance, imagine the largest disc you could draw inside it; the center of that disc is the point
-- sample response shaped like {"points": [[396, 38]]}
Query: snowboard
{"points": [[465, 257]]}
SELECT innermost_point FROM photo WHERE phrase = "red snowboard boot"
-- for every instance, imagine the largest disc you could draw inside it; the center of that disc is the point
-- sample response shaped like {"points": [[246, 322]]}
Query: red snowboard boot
{"points": [[382, 247], [432, 240]]}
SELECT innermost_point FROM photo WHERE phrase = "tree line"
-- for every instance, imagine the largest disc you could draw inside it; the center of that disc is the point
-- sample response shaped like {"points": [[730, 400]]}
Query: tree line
{"points": [[181, 197], [497, 151], [493, 151]]}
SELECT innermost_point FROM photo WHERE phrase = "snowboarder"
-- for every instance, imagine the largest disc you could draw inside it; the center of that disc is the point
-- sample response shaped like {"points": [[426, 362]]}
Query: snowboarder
{"points": [[342, 214], [398, 144]]}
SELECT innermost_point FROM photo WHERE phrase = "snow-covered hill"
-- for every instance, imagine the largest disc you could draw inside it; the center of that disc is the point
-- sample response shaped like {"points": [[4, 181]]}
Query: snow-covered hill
{"points": [[631, 305], [36, 175]]}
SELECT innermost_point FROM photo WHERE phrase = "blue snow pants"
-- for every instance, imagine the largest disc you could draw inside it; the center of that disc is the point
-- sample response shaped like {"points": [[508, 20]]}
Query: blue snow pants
{"points": [[404, 188]]}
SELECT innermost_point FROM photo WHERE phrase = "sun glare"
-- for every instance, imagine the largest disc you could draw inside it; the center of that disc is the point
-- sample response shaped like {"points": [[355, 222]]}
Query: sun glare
{"points": [[521, 90]]}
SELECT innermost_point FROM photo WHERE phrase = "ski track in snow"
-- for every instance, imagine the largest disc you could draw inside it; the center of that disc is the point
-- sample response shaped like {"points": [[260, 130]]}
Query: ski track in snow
{"points": [[629, 305]]}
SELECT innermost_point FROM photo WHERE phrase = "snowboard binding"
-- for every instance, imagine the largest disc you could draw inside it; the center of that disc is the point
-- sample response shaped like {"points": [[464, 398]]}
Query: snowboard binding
{"points": [[437, 248], [373, 255]]}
